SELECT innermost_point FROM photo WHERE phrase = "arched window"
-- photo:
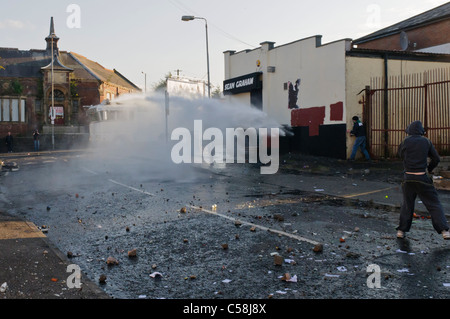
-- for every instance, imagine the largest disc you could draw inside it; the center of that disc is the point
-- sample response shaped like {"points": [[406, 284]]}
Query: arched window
{"points": [[58, 96]]}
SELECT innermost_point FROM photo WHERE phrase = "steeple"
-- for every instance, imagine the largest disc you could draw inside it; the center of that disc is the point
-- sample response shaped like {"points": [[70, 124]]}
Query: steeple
{"points": [[52, 38]]}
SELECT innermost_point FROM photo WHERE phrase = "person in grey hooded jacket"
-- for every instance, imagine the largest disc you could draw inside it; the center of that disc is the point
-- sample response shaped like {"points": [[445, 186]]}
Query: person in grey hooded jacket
{"points": [[415, 150]]}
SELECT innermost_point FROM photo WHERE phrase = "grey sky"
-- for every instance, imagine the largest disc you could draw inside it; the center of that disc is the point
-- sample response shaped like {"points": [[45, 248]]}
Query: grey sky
{"points": [[138, 36]]}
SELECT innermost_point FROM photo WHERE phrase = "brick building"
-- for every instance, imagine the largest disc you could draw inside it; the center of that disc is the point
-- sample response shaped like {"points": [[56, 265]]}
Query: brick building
{"points": [[26, 89], [426, 32]]}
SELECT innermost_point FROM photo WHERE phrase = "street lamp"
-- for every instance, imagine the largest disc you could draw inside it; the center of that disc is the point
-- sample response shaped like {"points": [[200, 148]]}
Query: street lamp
{"points": [[190, 18]]}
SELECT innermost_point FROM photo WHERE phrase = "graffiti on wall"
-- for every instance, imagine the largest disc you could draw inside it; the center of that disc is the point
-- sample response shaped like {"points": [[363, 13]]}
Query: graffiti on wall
{"points": [[293, 94]]}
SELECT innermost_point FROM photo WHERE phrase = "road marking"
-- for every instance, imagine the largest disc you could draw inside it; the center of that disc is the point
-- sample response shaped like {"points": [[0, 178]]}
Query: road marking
{"points": [[133, 188], [88, 170], [256, 225], [367, 193], [220, 215]]}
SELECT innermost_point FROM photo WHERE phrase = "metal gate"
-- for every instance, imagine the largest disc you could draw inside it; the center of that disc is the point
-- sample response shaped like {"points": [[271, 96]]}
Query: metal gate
{"points": [[387, 112]]}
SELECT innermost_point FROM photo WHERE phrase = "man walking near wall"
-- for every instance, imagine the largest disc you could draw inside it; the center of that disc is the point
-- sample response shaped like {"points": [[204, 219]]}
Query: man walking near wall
{"points": [[415, 150], [9, 142], [36, 139], [360, 142]]}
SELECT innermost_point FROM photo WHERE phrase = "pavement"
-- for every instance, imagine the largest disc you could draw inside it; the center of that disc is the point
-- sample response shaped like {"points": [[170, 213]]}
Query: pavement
{"points": [[33, 268]]}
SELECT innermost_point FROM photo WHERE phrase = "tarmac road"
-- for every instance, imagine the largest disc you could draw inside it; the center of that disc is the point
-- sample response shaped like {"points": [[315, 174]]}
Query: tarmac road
{"points": [[224, 245]]}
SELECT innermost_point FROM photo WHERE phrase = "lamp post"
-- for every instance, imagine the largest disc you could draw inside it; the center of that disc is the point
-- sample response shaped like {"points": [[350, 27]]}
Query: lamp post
{"points": [[145, 78], [190, 18], [52, 117]]}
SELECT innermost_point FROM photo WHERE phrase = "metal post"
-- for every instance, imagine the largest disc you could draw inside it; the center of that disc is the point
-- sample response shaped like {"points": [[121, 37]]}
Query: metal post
{"points": [[207, 59], [386, 107], [52, 116], [166, 112]]}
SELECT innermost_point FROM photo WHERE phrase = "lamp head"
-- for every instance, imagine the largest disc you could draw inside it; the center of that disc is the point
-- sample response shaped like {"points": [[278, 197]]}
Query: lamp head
{"points": [[187, 18]]}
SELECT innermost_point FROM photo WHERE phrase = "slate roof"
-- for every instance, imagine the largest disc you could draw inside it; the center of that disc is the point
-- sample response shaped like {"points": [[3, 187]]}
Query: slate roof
{"points": [[29, 63], [431, 16]]}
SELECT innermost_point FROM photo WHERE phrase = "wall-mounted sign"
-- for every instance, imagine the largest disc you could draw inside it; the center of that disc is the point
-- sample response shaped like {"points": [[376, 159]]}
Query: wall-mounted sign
{"points": [[243, 83]]}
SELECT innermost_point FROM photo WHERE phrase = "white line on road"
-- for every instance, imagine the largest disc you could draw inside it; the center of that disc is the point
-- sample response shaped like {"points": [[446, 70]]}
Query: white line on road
{"points": [[257, 226], [88, 170], [133, 188], [220, 215]]}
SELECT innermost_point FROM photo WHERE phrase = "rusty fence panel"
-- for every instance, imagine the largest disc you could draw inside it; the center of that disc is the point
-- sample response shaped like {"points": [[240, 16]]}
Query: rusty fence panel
{"points": [[387, 113]]}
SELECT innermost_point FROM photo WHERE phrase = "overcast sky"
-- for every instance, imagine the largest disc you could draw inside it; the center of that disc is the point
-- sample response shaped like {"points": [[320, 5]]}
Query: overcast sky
{"points": [[138, 36]]}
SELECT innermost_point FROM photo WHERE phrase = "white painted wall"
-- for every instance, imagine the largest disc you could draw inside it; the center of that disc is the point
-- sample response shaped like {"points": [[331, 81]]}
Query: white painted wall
{"points": [[321, 69]]}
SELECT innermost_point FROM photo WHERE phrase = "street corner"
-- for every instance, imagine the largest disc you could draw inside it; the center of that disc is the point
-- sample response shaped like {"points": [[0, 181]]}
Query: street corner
{"points": [[32, 268]]}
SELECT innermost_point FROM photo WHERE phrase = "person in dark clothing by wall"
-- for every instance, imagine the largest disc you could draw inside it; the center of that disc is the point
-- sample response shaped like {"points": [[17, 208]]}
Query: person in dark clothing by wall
{"points": [[9, 142], [360, 142], [415, 150], [36, 139]]}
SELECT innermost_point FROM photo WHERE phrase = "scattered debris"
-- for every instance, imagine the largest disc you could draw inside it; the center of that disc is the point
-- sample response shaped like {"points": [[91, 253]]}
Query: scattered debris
{"points": [[288, 278], [111, 261], [278, 217], [11, 166], [403, 270], [155, 274], [225, 246], [318, 248], [278, 260], [3, 287], [102, 279], [132, 253], [44, 229], [183, 210]]}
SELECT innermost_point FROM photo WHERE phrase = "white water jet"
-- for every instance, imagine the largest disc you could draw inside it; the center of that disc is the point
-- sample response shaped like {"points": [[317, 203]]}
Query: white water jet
{"points": [[138, 126]]}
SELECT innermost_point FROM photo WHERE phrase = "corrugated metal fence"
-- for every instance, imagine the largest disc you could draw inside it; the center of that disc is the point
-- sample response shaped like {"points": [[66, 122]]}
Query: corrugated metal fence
{"points": [[387, 112]]}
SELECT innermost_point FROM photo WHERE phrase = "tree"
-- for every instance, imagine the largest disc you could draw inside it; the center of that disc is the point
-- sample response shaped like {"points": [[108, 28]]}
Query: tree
{"points": [[216, 92], [161, 85]]}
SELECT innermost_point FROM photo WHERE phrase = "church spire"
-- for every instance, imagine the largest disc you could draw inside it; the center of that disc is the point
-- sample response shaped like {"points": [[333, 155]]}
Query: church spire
{"points": [[52, 38], [52, 27]]}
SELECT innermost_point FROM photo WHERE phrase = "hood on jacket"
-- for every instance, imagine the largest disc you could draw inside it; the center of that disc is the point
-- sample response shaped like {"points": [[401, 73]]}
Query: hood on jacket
{"points": [[415, 128]]}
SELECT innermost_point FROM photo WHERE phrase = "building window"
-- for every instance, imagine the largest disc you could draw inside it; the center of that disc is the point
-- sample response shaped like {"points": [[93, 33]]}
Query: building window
{"points": [[5, 111], [12, 110], [75, 106], [58, 96], [15, 110], [38, 106], [22, 111]]}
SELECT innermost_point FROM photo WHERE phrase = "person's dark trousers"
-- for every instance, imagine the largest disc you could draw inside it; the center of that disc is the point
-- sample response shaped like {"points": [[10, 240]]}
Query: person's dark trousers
{"points": [[422, 186]]}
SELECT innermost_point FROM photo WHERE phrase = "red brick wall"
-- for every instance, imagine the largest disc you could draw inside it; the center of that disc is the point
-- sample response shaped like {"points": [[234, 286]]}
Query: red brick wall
{"points": [[425, 37]]}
